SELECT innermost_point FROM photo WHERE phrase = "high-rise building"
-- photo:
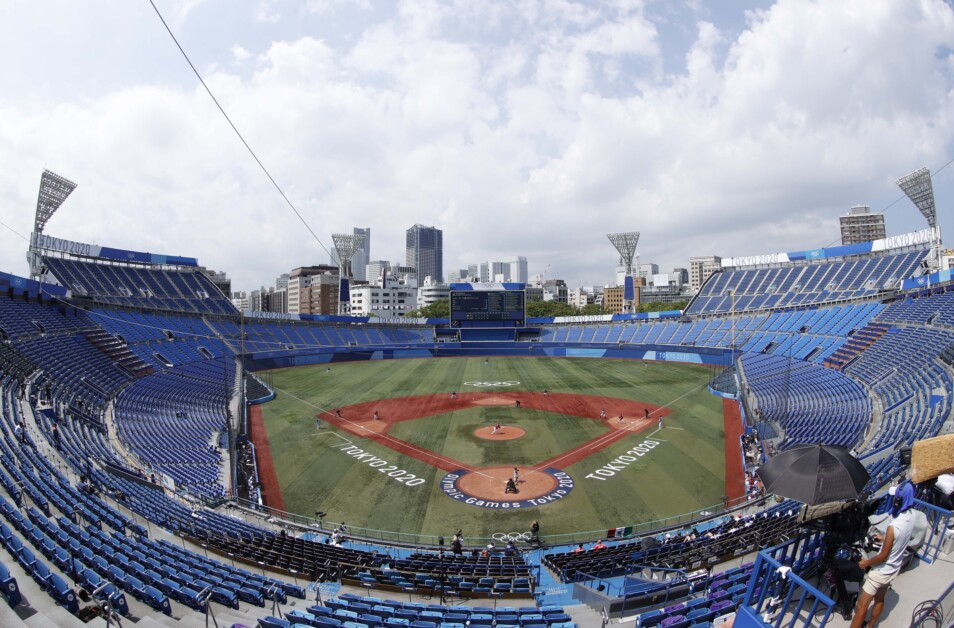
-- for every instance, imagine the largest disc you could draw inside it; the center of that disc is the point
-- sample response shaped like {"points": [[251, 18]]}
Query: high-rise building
{"points": [[255, 299], [518, 269], [362, 254], [700, 268], [375, 271], [457, 276], [313, 290], [860, 225], [424, 250], [276, 301], [499, 271], [483, 272], [473, 272]]}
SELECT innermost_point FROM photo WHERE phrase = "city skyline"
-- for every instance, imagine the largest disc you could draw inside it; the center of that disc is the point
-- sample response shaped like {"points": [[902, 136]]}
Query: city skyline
{"points": [[727, 130]]}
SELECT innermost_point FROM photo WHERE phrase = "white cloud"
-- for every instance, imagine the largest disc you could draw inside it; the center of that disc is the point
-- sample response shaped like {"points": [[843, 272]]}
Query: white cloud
{"points": [[240, 54], [530, 128]]}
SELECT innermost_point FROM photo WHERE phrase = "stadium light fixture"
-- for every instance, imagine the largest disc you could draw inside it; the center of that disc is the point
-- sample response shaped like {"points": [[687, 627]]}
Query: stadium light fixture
{"points": [[346, 244], [54, 190], [625, 244], [917, 186]]}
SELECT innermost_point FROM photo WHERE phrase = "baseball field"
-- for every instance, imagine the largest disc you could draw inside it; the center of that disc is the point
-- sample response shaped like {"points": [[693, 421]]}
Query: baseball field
{"points": [[423, 447]]}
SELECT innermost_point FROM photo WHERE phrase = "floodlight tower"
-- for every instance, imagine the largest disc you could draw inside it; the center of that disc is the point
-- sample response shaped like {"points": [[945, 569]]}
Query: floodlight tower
{"points": [[917, 186], [345, 246], [625, 244], [53, 191]]}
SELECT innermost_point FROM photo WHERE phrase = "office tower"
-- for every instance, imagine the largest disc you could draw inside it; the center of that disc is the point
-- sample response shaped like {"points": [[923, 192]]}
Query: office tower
{"points": [[518, 269], [424, 250], [362, 254]]}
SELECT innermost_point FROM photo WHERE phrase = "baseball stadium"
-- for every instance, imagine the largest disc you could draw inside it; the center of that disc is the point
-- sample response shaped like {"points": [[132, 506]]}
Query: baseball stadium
{"points": [[169, 460]]}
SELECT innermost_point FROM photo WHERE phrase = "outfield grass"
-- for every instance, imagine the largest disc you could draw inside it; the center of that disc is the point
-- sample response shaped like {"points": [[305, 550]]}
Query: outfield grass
{"points": [[683, 473]]}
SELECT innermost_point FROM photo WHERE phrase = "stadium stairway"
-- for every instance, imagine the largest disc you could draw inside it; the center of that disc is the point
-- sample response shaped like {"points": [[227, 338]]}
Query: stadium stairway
{"points": [[548, 589]]}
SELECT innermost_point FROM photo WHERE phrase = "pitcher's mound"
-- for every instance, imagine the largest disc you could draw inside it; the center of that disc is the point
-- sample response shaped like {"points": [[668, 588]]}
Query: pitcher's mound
{"points": [[506, 432], [493, 401]]}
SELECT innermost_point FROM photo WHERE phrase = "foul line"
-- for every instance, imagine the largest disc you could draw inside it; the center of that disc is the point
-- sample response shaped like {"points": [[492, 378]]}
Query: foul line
{"points": [[611, 437], [385, 437], [605, 440]]}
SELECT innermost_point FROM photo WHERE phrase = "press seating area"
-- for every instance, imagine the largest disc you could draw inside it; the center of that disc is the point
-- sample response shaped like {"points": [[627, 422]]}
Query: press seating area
{"points": [[803, 284], [356, 612], [459, 575], [810, 402], [432, 563], [293, 554], [141, 286], [723, 595], [680, 551], [462, 586]]}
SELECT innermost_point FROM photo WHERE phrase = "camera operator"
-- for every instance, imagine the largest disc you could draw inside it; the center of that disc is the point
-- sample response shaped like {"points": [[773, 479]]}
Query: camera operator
{"points": [[890, 559]]}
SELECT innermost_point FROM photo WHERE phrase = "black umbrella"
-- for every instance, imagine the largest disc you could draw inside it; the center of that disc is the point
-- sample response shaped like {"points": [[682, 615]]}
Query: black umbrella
{"points": [[814, 474]]}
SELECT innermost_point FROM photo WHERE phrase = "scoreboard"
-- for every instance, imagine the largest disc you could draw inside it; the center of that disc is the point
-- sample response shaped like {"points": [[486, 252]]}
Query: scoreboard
{"points": [[487, 305]]}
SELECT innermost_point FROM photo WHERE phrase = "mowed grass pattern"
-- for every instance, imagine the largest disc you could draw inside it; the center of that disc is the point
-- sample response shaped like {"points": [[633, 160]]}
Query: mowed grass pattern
{"points": [[452, 435], [684, 472]]}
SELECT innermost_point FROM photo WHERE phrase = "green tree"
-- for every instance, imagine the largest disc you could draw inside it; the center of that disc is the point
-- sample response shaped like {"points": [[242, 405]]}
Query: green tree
{"points": [[437, 309], [540, 309], [591, 309], [658, 306]]}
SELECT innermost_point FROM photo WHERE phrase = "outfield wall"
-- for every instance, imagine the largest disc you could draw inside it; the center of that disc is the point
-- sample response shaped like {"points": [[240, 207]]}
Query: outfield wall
{"points": [[702, 356]]}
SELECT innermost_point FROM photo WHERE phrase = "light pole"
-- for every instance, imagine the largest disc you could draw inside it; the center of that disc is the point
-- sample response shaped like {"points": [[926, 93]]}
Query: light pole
{"points": [[625, 245]]}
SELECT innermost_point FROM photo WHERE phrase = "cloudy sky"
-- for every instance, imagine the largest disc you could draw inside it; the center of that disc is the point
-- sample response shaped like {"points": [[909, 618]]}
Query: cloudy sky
{"points": [[519, 128]]}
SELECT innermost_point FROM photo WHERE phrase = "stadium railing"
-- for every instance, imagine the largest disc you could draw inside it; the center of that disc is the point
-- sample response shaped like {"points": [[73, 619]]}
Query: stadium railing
{"points": [[779, 595], [249, 509]]}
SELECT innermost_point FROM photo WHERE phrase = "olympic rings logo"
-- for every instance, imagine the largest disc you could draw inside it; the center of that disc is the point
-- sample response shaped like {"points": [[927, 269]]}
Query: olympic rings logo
{"points": [[489, 384], [502, 537]]}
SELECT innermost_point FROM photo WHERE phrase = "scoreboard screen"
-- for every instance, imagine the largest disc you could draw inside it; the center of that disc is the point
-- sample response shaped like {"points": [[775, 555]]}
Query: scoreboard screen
{"points": [[487, 305]]}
